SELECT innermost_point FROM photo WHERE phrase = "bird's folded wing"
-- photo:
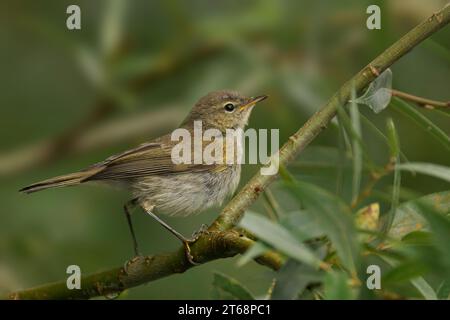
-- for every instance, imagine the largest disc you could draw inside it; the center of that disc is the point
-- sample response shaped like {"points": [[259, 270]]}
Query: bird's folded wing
{"points": [[148, 159]]}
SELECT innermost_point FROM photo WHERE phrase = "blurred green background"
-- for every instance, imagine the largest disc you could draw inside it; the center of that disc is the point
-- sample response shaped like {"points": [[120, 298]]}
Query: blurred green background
{"points": [[72, 98]]}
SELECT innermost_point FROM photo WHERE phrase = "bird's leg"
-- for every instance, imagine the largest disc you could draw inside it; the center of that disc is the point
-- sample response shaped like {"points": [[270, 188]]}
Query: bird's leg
{"points": [[127, 209], [197, 234], [182, 238]]}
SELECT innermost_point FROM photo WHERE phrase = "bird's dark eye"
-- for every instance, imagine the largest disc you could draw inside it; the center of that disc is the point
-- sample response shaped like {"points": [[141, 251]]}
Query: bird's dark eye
{"points": [[229, 107]]}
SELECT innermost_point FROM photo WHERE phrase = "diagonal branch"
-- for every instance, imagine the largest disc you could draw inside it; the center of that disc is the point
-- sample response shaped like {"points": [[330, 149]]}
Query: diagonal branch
{"points": [[297, 142], [222, 241]]}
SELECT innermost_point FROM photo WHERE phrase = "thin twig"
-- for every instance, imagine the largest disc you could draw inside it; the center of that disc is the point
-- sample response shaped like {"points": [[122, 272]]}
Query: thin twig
{"points": [[207, 247], [423, 102], [374, 178]]}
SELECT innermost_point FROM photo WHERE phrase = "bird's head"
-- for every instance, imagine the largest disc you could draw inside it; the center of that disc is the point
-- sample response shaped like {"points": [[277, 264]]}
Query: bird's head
{"points": [[223, 110]]}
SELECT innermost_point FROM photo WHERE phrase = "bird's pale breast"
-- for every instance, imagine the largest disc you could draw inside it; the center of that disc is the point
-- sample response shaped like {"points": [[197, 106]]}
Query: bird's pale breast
{"points": [[183, 194]]}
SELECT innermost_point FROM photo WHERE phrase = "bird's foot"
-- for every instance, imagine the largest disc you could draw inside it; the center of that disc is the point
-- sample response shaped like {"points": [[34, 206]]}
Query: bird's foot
{"points": [[187, 242], [187, 251]]}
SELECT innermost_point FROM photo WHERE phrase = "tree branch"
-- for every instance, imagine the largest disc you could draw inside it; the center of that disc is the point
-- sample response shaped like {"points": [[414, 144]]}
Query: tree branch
{"points": [[222, 241], [423, 102], [297, 142], [214, 245]]}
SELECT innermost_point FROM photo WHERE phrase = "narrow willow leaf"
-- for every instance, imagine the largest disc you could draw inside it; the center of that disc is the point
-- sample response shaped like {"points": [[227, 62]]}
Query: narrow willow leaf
{"points": [[393, 140], [440, 113], [292, 279], [278, 237], [285, 174], [300, 224], [231, 286], [90, 64], [378, 94], [402, 272], [427, 125], [341, 160], [336, 286], [255, 251], [424, 288], [418, 282], [347, 124], [356, 148], [408, 218], [434, 170], [440, 227], [394, 147], [444, 290], [333, 217], [380, 134], [112, 26]]}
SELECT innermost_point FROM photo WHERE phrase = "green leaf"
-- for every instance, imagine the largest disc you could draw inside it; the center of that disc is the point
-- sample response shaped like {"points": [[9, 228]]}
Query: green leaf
{"points": [[300, 224], [424, 288], [403, 272], [408, 218], [356, 138], [418, 282], [255, 251], [224, 283], [278, 237], [336, 286], [422, 121], [333, 217], [285, 174], [292, 279], [393, 140], [394, 147], [112, 26], [356, 148], [430, 169], [440, 227], [380, 134], [341, 160], [418, 238], [444, 290]]}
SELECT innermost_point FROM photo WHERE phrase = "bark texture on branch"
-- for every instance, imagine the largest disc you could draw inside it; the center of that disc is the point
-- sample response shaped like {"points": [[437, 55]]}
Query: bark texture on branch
{"points": [[212, 246]]}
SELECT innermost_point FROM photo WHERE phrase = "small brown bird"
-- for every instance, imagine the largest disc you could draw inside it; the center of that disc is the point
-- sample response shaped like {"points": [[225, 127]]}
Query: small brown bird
{"points": [[163, 186]]}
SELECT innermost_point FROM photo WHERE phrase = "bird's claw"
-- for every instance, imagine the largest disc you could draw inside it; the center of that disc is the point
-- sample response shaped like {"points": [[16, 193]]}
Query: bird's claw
{"points": [[195, 236], [187, 251]]}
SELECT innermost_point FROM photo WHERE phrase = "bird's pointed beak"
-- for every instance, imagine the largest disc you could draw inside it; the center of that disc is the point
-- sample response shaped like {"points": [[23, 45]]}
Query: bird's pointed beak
{"points": [[253, 101]]}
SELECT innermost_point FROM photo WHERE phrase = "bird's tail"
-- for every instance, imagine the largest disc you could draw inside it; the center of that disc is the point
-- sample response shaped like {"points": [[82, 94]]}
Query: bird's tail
{"points": [[70, 179]]}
